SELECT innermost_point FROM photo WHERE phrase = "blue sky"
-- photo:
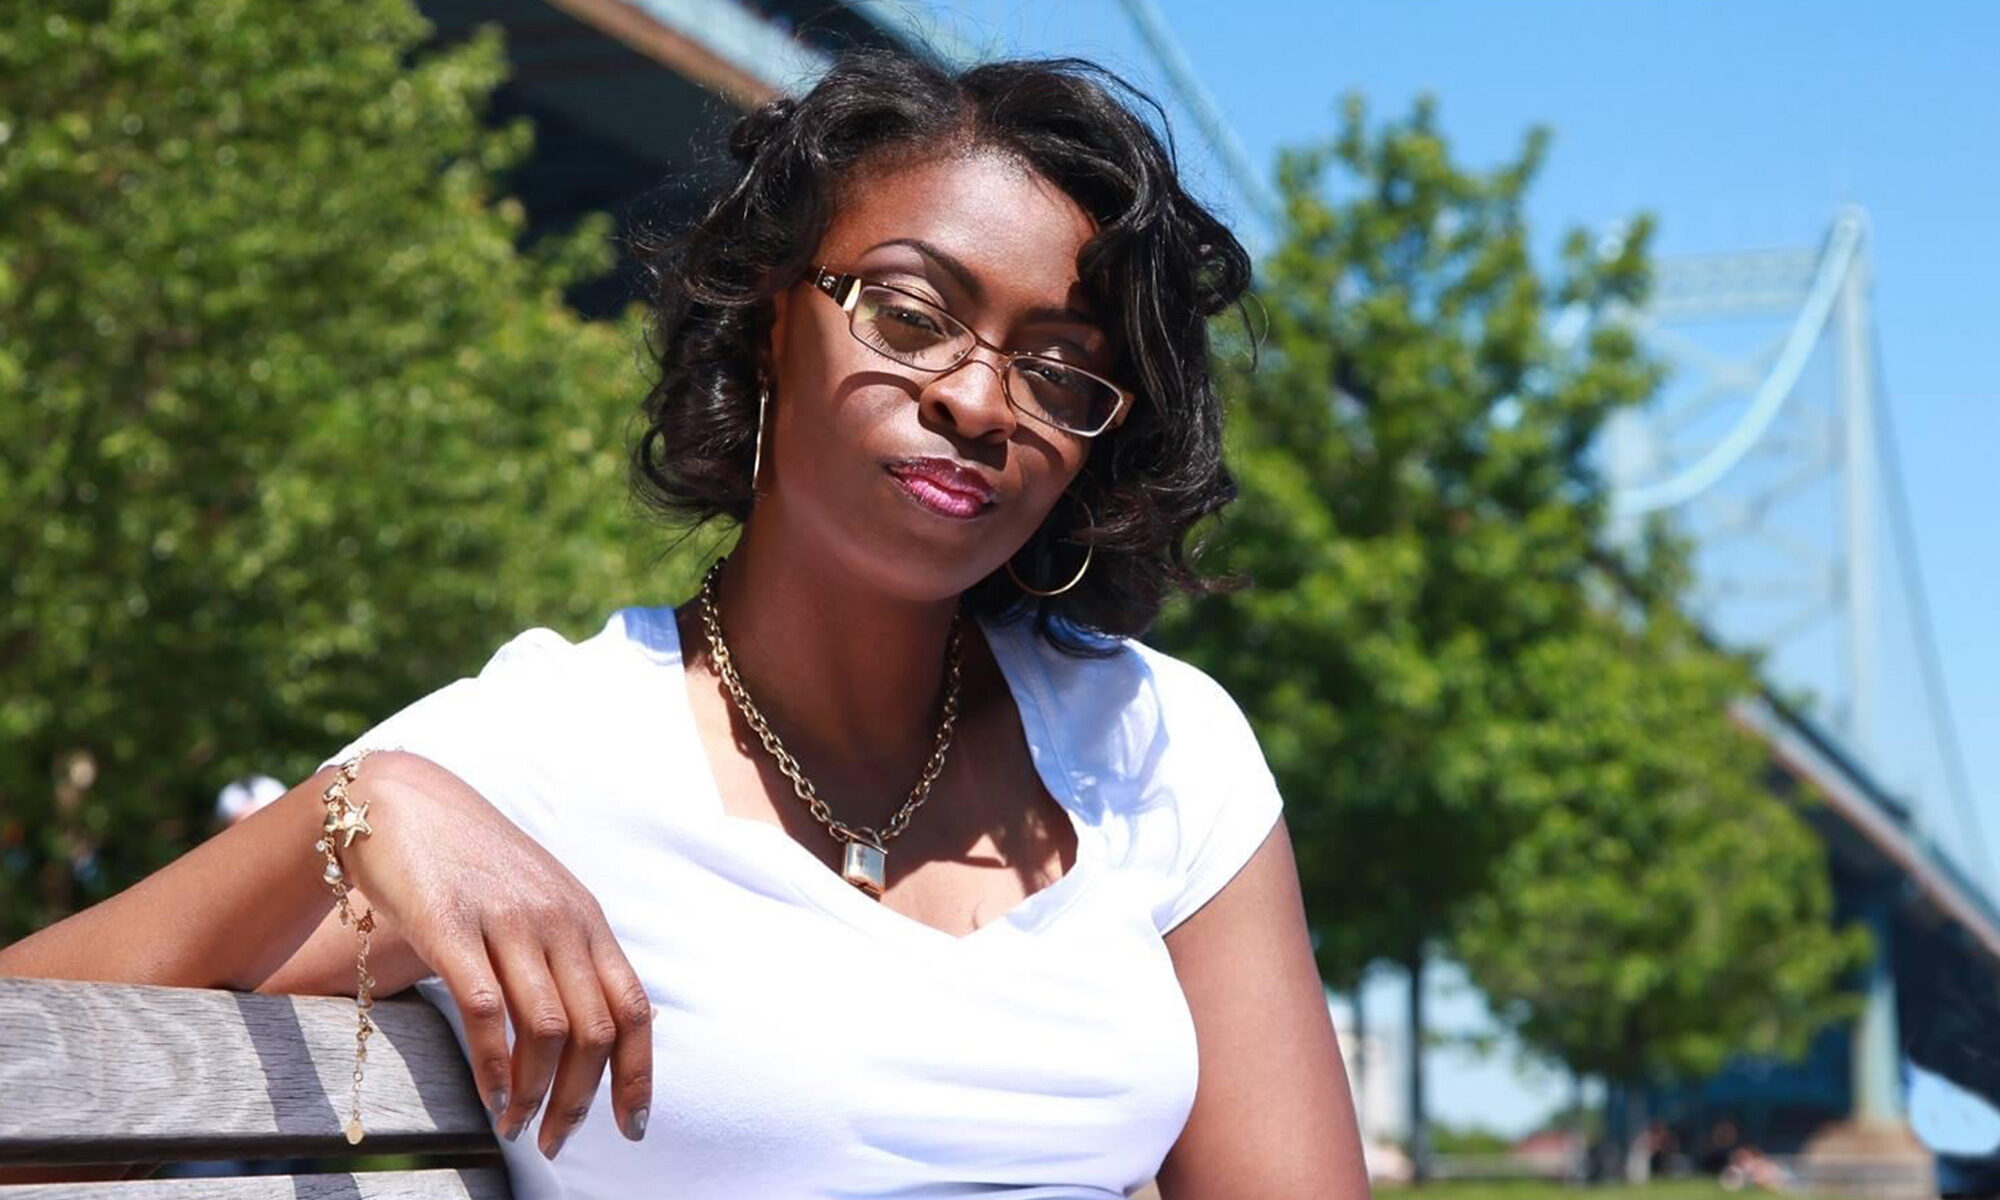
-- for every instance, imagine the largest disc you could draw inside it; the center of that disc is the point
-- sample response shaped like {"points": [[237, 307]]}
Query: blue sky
{"points": [[1739, 126]]}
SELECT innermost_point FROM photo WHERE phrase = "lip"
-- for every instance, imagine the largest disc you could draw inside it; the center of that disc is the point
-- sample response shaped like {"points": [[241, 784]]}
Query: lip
{"points": [[943, 486]]}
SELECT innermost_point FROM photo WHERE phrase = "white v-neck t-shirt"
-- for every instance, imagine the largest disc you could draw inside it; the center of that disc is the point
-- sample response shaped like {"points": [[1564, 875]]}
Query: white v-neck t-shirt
{"points": [[810, 1042]]}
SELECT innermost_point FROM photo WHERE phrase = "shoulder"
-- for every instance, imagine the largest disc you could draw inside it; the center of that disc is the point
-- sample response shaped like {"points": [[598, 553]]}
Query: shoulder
{"points": [[543, 713], [1137, 713], [534, 671], [631, 631], [1186, 693], [1169, 759], [543, 658], [1141, 684]]}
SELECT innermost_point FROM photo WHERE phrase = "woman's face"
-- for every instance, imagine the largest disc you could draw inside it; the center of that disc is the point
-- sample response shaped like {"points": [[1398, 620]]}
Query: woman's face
{"points": [[995, 245]]}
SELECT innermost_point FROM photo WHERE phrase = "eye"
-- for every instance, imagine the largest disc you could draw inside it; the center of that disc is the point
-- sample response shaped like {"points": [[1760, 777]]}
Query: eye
{"points": [[1050, 371], [903, 327], [912, 316]]}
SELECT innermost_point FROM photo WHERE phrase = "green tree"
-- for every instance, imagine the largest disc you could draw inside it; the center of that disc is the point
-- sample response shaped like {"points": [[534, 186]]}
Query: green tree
{"points": [[291, 429], [1666, 910], [1417, 510]]}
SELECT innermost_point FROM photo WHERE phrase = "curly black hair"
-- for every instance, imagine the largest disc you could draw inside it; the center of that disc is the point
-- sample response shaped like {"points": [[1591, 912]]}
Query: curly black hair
{"points": [[1158, 266]]}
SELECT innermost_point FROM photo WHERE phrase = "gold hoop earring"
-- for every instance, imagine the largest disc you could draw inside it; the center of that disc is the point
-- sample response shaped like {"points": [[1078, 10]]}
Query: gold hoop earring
{"points": [[757, 457], [1089, 552]]}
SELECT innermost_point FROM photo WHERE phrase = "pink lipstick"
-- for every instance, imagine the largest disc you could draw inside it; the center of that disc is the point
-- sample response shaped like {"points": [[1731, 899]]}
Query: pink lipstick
{"points": [[942, 486]]}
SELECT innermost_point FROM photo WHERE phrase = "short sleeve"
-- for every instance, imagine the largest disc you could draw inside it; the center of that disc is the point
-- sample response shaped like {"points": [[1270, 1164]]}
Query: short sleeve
{"points": [[1225, 808], [472, 726]]}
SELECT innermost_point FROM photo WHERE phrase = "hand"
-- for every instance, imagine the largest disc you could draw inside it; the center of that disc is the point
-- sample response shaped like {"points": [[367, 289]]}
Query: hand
{"points": [[515, 937]]}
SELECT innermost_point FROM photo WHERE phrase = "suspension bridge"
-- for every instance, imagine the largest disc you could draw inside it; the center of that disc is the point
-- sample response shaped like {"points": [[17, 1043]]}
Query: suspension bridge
{"points": [[1774, 450]]}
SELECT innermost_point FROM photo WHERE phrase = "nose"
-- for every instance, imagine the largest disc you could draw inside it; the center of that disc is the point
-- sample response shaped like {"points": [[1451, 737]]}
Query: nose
{"points": [[972, 402]]}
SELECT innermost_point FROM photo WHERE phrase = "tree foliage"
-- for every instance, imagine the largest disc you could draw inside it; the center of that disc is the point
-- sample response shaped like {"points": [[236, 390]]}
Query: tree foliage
{"points": [[1666, 910], [291, 428], [1417, 509], [1491, 729]]}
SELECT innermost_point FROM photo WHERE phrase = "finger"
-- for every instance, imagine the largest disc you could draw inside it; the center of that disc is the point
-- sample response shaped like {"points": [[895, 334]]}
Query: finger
{"points": [[541, 1025], [632, 1053], [591, 1034], [482, 1009]]}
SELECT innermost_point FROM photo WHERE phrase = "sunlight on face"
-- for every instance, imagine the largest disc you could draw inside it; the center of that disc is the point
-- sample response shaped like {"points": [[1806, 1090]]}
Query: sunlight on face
{"points": [[993, 244]]}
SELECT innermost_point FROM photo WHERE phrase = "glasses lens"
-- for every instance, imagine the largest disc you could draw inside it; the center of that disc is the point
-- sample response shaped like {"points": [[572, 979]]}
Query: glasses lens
{"points": [[1062, 395], [920, 334], [907, 329]]}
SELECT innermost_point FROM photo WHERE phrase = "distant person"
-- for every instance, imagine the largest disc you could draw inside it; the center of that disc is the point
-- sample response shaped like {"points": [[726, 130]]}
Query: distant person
{"points": [[1751, 1167], [1717, 1146]]}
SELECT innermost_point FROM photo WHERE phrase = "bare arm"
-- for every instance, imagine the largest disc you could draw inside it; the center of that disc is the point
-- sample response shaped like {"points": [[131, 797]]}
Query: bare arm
{"points": [[225, 914], [511, 932], [324, 965], [1272, 1118]]}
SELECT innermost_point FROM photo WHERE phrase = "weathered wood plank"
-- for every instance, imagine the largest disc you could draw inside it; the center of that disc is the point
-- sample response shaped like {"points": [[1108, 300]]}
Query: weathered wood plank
{"points": [[479, 1183], [93, 1072]]}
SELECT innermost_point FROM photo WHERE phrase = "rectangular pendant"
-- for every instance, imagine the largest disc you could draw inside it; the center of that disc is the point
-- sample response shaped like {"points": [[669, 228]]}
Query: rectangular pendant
{"points": [[865, 867]]}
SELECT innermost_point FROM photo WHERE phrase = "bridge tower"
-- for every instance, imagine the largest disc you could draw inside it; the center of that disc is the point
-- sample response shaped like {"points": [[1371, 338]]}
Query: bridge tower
{"points": [[1773, 451]]}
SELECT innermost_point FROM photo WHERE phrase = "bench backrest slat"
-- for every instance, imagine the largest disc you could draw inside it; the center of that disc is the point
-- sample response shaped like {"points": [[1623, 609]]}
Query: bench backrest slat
{"points": [[477, 1183], [107, 1073]]}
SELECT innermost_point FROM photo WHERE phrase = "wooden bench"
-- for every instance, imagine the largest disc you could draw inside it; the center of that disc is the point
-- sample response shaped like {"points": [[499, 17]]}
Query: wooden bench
{"points": [[100, 1083]]}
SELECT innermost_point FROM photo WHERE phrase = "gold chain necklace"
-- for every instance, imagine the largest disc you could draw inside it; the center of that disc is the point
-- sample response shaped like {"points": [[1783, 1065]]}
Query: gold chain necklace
{"points": [[866, 863]]}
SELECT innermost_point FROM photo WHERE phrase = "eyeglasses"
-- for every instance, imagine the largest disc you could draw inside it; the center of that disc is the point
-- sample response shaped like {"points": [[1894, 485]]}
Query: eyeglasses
{"points": [[906, 328]]}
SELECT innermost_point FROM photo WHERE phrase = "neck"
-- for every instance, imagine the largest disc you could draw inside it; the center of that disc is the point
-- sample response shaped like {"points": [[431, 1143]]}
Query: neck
{"points": [[852, 680]]}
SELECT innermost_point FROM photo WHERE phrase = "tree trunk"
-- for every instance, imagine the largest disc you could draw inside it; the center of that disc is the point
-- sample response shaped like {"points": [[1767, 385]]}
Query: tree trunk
{"points": [[1610, 1155], [1361, 1058], [1637, 1146], [1638, 1142], [1420, 1132], [1580, 1164]]}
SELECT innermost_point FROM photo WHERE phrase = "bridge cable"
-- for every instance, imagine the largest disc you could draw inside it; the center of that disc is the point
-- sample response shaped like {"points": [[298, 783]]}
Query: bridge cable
{"points": [[1931, 665]]}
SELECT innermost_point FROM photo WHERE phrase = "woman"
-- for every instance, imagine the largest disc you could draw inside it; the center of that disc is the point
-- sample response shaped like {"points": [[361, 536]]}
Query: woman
{"points": [[890, 863]]}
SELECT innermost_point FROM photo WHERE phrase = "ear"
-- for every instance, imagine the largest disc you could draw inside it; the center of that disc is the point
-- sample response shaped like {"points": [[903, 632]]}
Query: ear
{"points": [[771, 349]]}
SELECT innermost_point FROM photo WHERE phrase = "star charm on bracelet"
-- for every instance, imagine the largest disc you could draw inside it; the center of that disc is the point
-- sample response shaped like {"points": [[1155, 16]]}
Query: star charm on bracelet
{"points": [[349, 823]]}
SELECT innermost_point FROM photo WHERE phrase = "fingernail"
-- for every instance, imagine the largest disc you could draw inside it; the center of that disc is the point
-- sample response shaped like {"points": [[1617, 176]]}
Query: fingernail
{"points": [[515, 1132], [556, 1146], [497, 1102], [635, 1125]]}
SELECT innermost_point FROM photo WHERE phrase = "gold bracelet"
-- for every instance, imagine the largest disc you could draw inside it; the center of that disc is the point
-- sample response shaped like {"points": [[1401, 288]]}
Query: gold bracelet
{"points": [[346, 821]]}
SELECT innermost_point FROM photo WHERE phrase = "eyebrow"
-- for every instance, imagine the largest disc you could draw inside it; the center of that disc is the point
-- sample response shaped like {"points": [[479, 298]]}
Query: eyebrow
{"points": [[970, 282]]}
